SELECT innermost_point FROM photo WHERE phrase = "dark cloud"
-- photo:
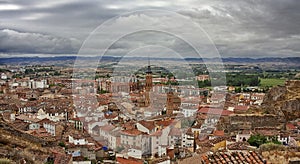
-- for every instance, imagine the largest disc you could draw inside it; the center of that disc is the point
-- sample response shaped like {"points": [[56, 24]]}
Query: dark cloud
{"points": [[238, 28], [19, 42]]}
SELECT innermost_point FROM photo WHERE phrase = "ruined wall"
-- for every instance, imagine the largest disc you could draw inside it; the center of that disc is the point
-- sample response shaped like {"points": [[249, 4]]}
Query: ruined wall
{"points": [[251, 121], [280, 157], [25, 136], [284, 101]]}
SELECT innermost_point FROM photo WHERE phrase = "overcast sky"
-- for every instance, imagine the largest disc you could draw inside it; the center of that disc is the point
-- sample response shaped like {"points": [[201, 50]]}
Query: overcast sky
{"points": [[249, 28]]}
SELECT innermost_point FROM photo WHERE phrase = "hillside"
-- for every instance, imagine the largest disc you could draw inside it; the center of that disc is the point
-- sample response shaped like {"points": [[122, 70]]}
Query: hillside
{"points": [[19, 147], [284, 100]]}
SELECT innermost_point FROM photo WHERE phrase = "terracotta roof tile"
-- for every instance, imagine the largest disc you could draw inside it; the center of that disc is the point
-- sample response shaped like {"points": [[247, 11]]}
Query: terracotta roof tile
{"points": [[165, 123], [132, 132], [241, 107], [218, 133], [233, 157], [290, 126], [107, 128], [129, 161], [215, 111], [147, 124], [175, 132]]}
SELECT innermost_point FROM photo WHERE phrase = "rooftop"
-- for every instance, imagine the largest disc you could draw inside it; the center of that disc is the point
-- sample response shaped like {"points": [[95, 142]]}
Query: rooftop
{"points": [[131, 132], [147, 124], [129, 161], [215, 111], [233, 157]]}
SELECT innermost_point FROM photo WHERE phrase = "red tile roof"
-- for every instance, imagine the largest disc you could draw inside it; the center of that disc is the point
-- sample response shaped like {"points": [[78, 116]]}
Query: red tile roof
{"points": [[238, 146], [111, 116], [215, 111], [165, 123], [132, 132], [129, 161], [147, 124], [233, 157], [290, 126], [175, 132], [241, 107], [157, 133], [218, 133], [107, 128]]}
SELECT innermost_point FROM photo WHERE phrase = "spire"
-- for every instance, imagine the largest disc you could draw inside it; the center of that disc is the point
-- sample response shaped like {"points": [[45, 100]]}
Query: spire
{"points": [[149, 68], [170, 90]]}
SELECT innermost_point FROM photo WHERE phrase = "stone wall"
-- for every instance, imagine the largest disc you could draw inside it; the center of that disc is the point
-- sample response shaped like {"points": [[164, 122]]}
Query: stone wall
{"points": [[284, 101], [276, 156], [24, 136], [251, 121]]}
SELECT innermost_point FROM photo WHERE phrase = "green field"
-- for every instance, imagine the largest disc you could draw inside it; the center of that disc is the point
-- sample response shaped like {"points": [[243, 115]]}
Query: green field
{"points": [[271, 82]]}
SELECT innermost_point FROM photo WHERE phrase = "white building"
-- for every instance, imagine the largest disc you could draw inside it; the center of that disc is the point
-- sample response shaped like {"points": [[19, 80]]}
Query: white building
{"points": [[146, 126], [50, 128], [3, 76], [56, 117], [159, 141], [105, 131], [135, 153], [284, 139], [77, 141], [136, 139], [38, 84], [189, 111], [114, 138], [187, 139], [174, 137], [243, 136]]}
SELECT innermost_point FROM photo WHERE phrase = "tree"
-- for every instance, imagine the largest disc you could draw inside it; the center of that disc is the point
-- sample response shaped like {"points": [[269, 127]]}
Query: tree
{"points": [[62, 144], [205, 83], [29, 71], [257, 140], [237, 90]]}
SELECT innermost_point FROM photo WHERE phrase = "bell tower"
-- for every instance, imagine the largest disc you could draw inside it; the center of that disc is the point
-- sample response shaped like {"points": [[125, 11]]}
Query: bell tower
{"points": [[148, 78], [148, 84], [170, 103]]}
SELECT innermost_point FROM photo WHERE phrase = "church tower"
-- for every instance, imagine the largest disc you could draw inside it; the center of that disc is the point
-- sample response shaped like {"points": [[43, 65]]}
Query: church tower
{"points": [[148, 86], [148, 78], [170, 103]]}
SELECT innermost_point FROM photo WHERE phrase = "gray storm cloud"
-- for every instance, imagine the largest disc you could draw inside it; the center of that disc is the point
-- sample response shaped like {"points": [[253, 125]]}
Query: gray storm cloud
{"points": [[18, 42], [258, 28]]}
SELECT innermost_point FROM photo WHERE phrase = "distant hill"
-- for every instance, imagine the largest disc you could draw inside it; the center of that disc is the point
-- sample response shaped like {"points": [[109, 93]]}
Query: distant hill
{"points": [[252, 60], [41, 60], [28, 60]]}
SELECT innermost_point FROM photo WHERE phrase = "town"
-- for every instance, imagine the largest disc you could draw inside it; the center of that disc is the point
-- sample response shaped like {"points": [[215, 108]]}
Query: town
{"points": [[151, 116]]}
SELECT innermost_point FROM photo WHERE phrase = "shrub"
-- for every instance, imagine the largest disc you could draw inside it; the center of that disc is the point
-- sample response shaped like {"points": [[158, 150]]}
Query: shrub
{"points": [[4, 161]]}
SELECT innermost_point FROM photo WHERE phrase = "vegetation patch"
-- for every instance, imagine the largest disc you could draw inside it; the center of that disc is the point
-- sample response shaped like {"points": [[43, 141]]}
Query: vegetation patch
{"points": [[268, 82]]}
